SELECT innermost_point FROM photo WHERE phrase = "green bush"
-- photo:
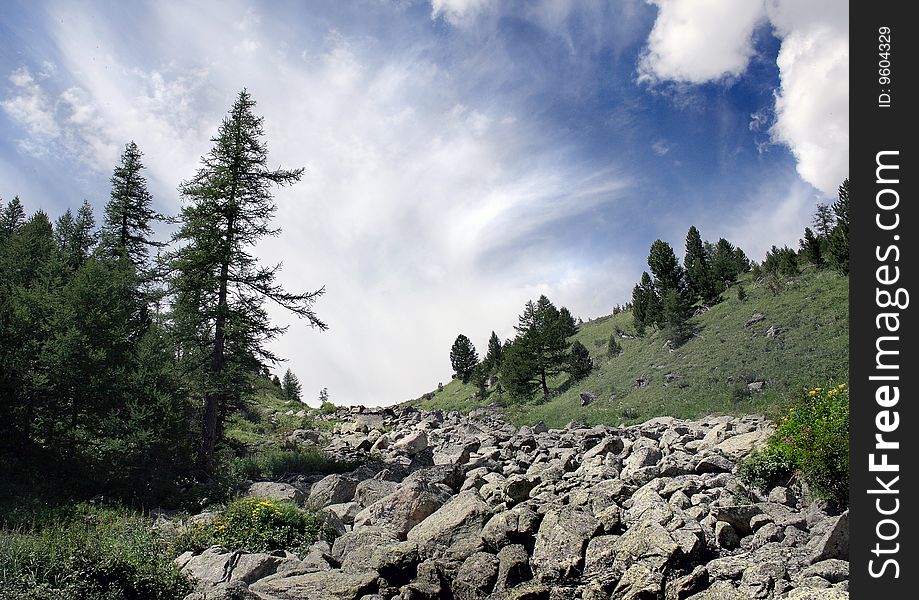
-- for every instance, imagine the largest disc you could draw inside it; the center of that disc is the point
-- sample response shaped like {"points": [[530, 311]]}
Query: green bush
{"points": [[274, 464], [90, 554], [812, 439], [327, 408], [254, 524]]}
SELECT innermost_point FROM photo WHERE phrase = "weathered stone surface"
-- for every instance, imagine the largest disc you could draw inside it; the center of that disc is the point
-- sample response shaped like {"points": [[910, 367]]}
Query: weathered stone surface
{"points": [[332, 489], [476, 577], [462, 506], [561, 542], [455, 528], [835, 542], [323, 585], [275, 491], [513, 567], [407, 506]]}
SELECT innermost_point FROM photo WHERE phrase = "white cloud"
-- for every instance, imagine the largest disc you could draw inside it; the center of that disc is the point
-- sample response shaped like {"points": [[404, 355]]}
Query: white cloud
{"points": [[698, 41], [456, 11], [30, 106], [413, 190], [812, 107]]}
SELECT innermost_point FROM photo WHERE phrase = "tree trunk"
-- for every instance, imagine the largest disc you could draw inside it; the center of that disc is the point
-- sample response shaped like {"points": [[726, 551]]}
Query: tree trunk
{"points": [[542, 381], [214, 399]]}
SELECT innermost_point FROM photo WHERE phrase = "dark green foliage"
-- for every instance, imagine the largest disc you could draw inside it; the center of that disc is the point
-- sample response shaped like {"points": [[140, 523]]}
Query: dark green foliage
{"points": [[127, 227], [645, 304], [291, 387], [463, 357], [741, 293], [567, 323], [218, 286], [254, 524], [812, 438], [838, 240], [613, 348], [727, 263], [667, 272], [89, 554], [696, 267], [823, 220], [810, 248], [765, 470], [675, 314], [781, 261], [275, 464], [76, 236], [519, 369], [12, 217], [579, 363], [480, 379], [544, 331], [492, 360]]}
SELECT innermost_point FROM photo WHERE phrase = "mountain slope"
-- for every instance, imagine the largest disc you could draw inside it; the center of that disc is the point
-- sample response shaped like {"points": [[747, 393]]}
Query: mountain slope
{"points": [[710, 373]]}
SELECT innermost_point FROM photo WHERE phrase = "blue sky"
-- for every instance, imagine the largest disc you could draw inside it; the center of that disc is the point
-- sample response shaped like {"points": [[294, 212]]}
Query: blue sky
{"points": [[462, 156]]}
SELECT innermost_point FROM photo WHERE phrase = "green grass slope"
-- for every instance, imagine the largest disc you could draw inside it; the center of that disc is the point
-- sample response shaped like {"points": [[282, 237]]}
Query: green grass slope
{"points": [[710, 372]]}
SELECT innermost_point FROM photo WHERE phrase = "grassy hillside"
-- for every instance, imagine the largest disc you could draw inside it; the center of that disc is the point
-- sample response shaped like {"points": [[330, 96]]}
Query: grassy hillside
{"points": [[710, 372]]}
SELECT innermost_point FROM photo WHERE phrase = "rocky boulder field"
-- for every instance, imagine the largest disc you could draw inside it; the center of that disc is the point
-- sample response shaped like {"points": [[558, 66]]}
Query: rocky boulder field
{"points": [[472, 507]]}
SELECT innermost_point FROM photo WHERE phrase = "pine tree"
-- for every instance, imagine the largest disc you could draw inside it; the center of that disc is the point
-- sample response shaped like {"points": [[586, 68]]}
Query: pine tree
{"points": [[546, 333], [567, 323], [668, 274], [823, 220], [579, 363], [696, 267], [291, 386], [839, 236], [127, 228], [11, 218], [463, 357], [218, 286], [493, 356], [726, 265], [810, 248], [612, 347], [519, 370], [645, 304]]}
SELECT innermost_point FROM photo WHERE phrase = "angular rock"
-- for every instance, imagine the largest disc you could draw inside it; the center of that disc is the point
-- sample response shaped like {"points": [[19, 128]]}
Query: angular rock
{"points": [[332, 489], [561, 542], [455, 528], [275, 491], [323, 585], [835, 542], [513, 567], [476, 577], [407, 506]]}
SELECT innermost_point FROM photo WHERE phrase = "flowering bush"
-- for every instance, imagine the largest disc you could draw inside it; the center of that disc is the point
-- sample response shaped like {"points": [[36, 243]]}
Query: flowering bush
{"points": [[255, 524], [813, 440]]}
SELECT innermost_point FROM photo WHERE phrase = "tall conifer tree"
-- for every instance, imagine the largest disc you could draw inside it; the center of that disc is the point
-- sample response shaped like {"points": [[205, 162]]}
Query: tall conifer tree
{"points": [[219, 287]]}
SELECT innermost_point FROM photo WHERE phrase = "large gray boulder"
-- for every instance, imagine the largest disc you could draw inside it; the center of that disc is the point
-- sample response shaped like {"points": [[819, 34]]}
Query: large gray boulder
{"points": [[324, 585], [407, 506], [455, 529], [275, 491], [561, 542], [332, 489]]}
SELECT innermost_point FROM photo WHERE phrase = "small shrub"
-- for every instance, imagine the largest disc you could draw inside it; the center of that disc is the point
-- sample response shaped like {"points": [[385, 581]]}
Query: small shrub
{"points": [[812, 439], [613, 348], [91, 554], [327, 408], [741, 293], [254, 524], [765, 469], [274, 464]]}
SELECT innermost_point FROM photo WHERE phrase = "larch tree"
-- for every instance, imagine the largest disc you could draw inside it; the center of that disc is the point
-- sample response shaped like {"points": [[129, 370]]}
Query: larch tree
{"points": [[291, 386], [218, 286], [127, 227]]}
